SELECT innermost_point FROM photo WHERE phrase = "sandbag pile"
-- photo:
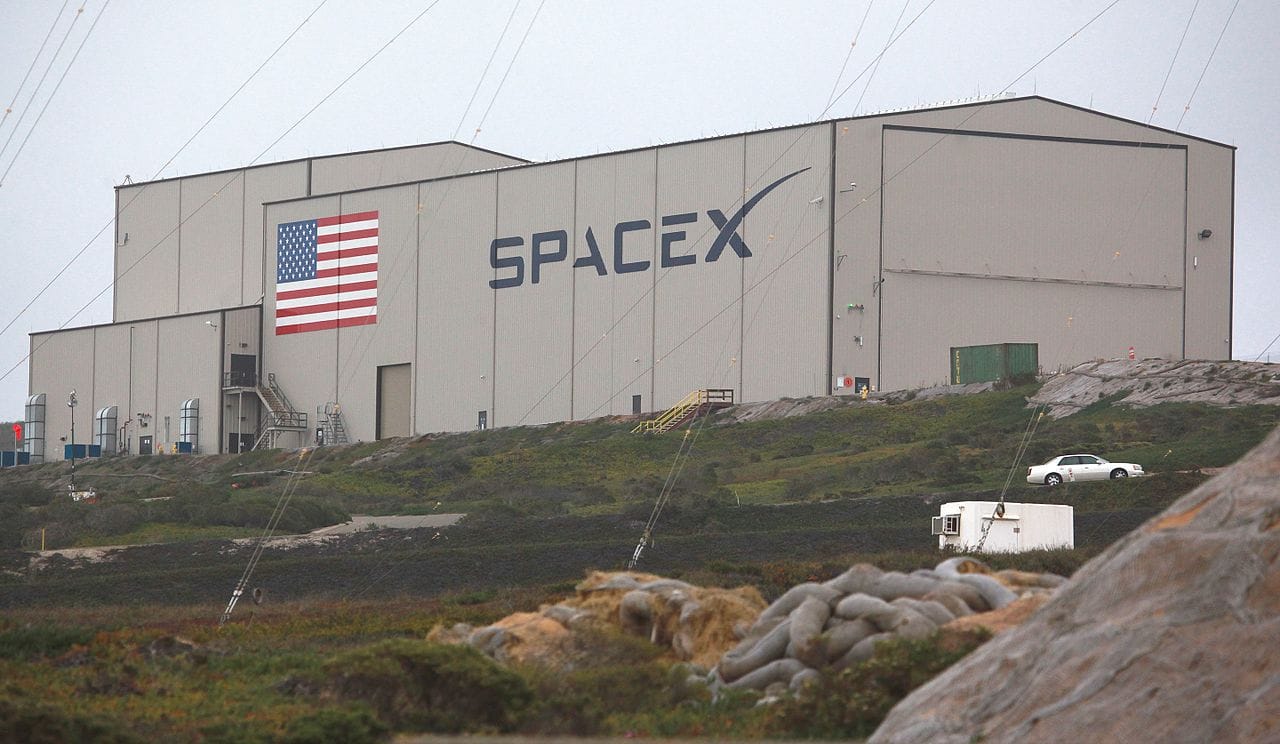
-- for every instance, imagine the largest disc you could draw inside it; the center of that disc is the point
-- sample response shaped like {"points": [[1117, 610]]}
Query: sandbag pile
{"points": [[837, 624], [697, 624]]}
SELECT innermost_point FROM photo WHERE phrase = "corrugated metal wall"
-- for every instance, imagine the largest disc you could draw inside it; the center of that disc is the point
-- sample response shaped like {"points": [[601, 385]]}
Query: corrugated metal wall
{"points": [[698, 309], [1077, 241], [1039, 213], [262, 185], [613, 314], [211, 251], [306, 365], [533, 322], [362, 349], [453, 365], [146, 262], [785, 283]]}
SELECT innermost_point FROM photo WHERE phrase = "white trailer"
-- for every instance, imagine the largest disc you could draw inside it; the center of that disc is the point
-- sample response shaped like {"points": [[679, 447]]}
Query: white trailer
{"points": [[1021, 527]]}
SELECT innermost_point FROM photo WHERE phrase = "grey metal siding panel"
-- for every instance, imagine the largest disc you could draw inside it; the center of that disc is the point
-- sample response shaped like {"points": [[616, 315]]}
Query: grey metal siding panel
{"points": [[697, 325], [785, 298], [146, 280], [453, 369], [1033, 208], [400, 165], [927, 315], [211, 234], [305, 364], [1208, 263], [62, 362], [188, 367], [143, 371], [111, 372], [241, 334], [855, 340], [534, 322], [362, 349], [613, 314], [268, 183]]}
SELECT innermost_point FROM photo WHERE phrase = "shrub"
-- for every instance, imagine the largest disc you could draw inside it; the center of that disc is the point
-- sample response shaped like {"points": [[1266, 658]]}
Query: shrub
{"points": [[354, 725], [853, 702], [30, 721], [416, 685], [41, 640]]}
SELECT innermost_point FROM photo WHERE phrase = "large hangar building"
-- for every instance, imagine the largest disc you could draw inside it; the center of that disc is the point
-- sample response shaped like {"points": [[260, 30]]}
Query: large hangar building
{"points": [[443, 287]]}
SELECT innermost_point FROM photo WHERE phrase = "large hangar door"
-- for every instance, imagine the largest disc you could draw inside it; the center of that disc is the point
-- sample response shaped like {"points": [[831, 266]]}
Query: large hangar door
{"points": [[1074, 244], [394, 392]]}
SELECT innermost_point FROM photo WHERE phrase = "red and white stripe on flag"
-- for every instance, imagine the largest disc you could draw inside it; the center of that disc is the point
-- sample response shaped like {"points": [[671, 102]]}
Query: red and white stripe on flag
{"points": [[327, 273]]}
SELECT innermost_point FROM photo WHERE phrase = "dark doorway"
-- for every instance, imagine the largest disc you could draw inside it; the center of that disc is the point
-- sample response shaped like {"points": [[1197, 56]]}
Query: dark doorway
{"points": [[635, 404], [482, 420], [244, 371], [144, 445], [861, 383], [239, 442]]}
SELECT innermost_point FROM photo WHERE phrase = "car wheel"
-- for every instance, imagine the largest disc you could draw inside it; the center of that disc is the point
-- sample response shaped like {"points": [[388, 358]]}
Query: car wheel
{"points": [[1053, 479], [1118, 473]]}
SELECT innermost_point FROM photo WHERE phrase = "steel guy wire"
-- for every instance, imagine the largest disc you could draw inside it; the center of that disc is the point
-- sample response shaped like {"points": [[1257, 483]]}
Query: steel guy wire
{"points": [[140, 191], [18, 93], [56, 87], [957, 129], [40, 83], [1205, 69], [369, 333], [238, 174]]}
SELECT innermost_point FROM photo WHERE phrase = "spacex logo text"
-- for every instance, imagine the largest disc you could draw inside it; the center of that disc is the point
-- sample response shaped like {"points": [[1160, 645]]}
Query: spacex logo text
{"points": [[552, 246]]}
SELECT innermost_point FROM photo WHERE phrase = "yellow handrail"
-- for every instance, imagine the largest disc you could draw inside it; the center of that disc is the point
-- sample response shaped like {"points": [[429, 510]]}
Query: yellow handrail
{"points": [[676, 414]]}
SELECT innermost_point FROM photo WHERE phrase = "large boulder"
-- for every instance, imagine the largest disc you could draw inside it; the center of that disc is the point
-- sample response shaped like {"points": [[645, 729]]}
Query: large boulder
{"points": [[1169, 635]]}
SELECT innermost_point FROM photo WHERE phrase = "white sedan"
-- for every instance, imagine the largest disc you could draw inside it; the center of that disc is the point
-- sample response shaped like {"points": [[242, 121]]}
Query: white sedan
{"points": [[1080, 468]]}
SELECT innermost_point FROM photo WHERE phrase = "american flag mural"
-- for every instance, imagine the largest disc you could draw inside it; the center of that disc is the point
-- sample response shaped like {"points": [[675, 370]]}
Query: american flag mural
{"points": [[327, 273]]}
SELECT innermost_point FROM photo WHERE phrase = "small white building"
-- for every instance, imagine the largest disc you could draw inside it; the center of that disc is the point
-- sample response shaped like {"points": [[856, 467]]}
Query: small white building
{"points": [[1021, 527]]}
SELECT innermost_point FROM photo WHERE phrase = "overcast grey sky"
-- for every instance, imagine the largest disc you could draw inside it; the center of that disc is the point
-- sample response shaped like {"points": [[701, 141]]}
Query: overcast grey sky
{"points": [[591, 77]]}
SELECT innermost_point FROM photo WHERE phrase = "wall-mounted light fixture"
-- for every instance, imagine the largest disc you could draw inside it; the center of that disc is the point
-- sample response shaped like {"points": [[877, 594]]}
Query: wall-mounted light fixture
{"points": [[849, 188], [1205, 234], [211, 324]]}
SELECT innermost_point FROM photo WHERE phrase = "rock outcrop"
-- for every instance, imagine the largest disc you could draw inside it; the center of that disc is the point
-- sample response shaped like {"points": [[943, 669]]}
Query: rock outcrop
{"points": [[1172, 634], [1149, 382]]}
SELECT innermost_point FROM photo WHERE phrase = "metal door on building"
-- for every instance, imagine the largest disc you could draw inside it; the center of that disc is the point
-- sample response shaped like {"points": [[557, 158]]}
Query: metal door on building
{"points": [[395, 384], [144, 444], [244, 371], [239, 442]]}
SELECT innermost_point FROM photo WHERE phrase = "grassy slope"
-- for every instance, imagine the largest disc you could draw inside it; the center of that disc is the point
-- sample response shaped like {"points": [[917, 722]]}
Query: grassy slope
{"points": [[816, 494]]}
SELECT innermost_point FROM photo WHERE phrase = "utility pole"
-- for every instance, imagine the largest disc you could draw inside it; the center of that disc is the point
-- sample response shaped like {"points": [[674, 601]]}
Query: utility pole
{"points": [[71, 403]]}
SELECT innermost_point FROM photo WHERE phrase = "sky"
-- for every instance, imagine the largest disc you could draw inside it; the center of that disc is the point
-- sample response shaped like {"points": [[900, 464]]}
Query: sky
{"points": [[121, 87]]}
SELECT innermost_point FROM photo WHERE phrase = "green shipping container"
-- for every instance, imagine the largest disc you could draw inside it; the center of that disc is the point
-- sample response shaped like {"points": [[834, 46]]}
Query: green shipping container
{"points": [[993, 362]]}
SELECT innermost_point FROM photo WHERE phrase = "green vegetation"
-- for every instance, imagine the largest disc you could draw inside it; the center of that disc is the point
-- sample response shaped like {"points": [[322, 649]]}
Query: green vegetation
{"points": [[598, 468], [124, 646]]}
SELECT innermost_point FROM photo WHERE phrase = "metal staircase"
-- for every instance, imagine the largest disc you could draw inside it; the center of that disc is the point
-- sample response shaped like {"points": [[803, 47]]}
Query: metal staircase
{"points": [[693, 405], [278, 417], [332, 429]]}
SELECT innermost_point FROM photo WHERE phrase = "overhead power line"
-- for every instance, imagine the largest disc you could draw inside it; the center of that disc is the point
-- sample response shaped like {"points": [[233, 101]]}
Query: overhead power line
{"points": [[17, 93], [40, 83], [139, 192], [1205, 69]]}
